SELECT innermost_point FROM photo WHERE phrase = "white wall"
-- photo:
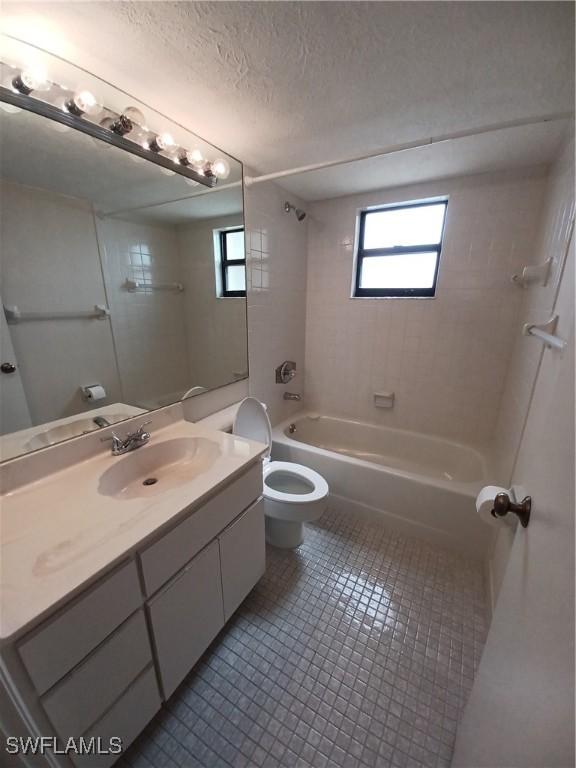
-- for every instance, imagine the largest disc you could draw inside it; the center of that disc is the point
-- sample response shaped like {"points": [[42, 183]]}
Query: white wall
{"points": [[276, 294], [218, 353], [445, 358], [536, 306], [521, 709], [55, 357]]}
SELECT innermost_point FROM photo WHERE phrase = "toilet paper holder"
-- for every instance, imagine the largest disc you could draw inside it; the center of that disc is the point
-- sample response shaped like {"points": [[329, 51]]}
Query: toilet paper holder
{"points": [[503, 504]]}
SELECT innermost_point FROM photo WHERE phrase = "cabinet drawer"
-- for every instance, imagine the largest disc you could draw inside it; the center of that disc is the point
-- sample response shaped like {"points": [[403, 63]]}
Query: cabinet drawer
{"points": [[64, 641], [186, 616], [89, 690], [129, 715], [242, 556], [169, 554]]}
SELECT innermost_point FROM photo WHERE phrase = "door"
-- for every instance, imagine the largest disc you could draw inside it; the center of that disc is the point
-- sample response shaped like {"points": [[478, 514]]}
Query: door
{"points": [[186, 616], [14, 414], [242, 556], [521, 710]]}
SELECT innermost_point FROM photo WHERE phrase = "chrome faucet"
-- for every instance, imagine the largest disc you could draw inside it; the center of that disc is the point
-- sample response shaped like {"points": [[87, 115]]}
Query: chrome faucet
{"points": [[292, 396], [132, 440]]}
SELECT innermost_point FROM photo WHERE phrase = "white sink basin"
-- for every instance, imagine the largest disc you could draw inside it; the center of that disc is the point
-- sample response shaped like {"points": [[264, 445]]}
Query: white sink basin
{"points": [[158, 467], [71, 429]]}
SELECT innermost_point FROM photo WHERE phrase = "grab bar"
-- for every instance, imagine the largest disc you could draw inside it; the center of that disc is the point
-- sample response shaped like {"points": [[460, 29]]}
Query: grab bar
{"points": [[15, 315], [546, 333]]}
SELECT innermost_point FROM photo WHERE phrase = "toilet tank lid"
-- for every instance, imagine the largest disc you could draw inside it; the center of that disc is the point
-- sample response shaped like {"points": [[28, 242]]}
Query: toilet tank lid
{"points": [[252, 422]]}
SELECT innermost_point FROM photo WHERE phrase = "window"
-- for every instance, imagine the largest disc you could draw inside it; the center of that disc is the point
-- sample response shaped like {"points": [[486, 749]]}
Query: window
{"points": [[233, 262], [399, 249]]}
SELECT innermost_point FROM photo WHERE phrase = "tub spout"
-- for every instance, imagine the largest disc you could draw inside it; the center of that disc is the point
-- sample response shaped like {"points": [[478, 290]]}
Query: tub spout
{"points": [[292, 396]]}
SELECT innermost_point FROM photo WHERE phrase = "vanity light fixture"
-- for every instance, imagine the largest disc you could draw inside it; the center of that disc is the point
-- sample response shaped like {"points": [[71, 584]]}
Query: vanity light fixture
{"points": [[208, 171], [83, 102], [161, 142], [122, 125], [126, 130], [193, 158], [221, 168], [31, 79]]}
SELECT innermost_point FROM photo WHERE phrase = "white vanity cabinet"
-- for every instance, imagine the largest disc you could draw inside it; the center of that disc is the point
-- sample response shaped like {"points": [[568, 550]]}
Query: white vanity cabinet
{"points": [[186, 616], [242, 556], [102, 664]]}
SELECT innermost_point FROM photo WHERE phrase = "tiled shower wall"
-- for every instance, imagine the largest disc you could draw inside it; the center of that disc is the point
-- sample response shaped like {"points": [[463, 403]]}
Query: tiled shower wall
{"points": [[149, 326], [445, 358], [215, 326], [276, 253], [538, 303]]}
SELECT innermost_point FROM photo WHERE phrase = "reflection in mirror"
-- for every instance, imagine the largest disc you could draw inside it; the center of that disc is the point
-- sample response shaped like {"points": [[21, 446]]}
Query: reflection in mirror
{"points": [[123, 284]]}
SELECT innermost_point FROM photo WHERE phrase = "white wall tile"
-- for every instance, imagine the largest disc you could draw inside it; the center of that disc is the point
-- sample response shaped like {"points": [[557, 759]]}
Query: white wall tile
{"points": [[215, 326], [445, 358], [276, 294]]}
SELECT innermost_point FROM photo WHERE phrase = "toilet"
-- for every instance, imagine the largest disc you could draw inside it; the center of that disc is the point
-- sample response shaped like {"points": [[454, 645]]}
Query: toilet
{"points": [[293, 494]]}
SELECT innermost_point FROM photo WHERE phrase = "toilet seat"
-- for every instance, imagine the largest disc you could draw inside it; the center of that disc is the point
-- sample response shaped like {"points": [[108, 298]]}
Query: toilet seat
{"points": [[299, 472], [252, 422], [301, 494]]}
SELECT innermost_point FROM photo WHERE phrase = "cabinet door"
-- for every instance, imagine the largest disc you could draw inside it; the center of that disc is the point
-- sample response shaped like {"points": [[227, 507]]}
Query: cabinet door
{"points": [[242, 556], [186, 616]]}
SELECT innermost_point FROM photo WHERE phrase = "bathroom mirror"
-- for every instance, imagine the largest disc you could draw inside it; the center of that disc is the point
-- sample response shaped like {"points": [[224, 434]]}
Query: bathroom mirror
{"points": [[122, 279]]}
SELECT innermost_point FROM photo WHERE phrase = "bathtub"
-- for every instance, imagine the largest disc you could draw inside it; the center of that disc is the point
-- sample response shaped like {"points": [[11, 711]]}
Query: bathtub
{"points": [[419, 485]]}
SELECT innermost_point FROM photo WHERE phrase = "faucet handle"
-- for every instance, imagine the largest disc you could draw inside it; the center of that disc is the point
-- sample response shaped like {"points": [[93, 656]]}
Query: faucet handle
{"points": [[112, 436], [140, 430]]}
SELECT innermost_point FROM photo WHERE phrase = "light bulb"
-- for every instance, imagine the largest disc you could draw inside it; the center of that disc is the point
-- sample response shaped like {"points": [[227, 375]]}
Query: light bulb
{"points": [[207, 171], [187, 158], [30, 79], [135, 116], [221, 168], [130, 119], [195, 157], [161, 142], [81, 103]]}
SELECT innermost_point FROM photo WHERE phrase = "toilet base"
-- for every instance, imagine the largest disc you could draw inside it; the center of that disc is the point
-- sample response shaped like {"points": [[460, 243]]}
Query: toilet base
{"points": [[284, 534]]}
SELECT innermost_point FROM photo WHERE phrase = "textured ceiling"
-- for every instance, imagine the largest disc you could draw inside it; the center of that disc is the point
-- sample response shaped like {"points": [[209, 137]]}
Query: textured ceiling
{"points": [[279, 84]]}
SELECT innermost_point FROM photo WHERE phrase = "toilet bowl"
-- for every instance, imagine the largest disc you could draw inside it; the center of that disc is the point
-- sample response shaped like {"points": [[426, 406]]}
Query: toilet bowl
{"points": [[293, 494]]}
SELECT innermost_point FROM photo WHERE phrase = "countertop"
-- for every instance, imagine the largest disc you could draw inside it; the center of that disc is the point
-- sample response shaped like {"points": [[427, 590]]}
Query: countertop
{"points": [[58, 533]]}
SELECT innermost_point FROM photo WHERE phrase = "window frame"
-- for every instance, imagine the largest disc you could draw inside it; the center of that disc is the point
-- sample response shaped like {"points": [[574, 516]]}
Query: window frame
{"points": [[397, 250], [225, 263]]}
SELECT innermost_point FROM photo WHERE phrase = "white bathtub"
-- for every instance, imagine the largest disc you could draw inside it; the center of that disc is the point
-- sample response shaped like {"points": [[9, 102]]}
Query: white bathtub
{"points": [[421, 485]]}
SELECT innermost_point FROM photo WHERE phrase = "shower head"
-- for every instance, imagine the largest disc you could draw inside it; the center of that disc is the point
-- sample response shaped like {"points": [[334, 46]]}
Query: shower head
{"points": [[300, 214]]}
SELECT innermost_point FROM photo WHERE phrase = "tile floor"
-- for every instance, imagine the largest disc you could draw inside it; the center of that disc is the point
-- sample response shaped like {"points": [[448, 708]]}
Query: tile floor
{"points": [[357, 649]]}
